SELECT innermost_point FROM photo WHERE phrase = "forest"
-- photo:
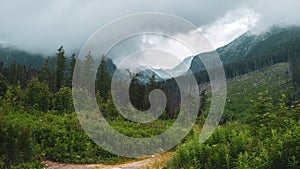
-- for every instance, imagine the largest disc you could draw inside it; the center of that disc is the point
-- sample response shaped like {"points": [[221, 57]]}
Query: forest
{"points": [[260, 127]]}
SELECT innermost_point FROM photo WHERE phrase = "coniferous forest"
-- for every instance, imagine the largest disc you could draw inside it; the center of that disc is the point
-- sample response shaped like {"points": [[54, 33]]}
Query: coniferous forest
{"points": [[260, 127]]}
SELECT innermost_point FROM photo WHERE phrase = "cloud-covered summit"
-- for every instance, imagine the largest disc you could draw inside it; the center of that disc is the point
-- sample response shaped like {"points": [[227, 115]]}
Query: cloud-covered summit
{"points": [[41, 26]]}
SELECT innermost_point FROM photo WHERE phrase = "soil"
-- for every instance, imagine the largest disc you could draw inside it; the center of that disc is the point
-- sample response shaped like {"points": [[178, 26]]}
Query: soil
{"points": [[154, 162]]}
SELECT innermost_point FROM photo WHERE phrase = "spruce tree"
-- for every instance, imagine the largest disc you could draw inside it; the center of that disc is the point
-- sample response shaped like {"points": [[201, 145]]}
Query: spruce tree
{"points": [[103, 81], [60, 68]]}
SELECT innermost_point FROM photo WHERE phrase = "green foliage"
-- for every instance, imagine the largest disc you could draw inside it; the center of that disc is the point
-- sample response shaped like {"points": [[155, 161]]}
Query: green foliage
{"points": [[141, 130], [60, 68], [17, 144], [103, 81], [14, 97], [260, 126], [108, 108], [239, 146], [219, 151], [137, 93], [63, 101], [71, 69], [30, 138], [241, 90], [10, 55], [37, 95], [3, 85], [295, 68], [44, 72], [263, 134]]}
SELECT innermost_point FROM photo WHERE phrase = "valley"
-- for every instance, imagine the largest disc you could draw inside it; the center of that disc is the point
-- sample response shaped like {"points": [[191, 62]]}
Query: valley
{"points": [[259, 127]]}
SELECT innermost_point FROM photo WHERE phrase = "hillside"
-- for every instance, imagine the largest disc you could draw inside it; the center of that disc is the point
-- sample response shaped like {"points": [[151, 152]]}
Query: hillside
{"points": [[245, 54], [37, 109], [242, 89], [251, 52], [259, 127], [10, 55]]}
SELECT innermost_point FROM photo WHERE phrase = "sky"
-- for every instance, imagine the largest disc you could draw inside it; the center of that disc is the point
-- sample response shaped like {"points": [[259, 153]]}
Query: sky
{"points": [[41, 26]]}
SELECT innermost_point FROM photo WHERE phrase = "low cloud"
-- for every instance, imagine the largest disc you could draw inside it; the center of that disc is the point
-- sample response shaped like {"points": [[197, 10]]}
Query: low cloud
{"points": [[42, 26]]}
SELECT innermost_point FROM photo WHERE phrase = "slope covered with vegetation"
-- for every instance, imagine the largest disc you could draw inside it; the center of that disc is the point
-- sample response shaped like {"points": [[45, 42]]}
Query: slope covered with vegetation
{"points": [[260, 126]]}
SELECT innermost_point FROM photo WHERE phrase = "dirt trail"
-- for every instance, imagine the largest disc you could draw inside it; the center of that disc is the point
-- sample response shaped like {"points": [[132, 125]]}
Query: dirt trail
{"points": [[155, 162]]}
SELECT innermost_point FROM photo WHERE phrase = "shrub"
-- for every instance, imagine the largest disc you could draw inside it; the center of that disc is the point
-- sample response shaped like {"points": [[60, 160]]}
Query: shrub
{"points": [[63, 101], [37, 95]]}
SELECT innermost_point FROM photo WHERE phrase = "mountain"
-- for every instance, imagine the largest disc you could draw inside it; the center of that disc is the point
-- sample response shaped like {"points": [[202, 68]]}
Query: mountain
{"points": [[10, 55], [233, 52], [250, 51], [247, 53], [145, 76], [176, 71], [110, 66]]}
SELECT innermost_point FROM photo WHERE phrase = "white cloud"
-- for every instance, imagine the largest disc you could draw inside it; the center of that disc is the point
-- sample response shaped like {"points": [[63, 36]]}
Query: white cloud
{"points": [[149, 50], [42, 26], [232, 25], [224, 30]]}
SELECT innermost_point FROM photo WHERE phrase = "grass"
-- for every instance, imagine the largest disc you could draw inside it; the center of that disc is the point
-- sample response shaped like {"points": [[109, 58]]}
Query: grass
{"points": [[260, 127], [242, 89]]}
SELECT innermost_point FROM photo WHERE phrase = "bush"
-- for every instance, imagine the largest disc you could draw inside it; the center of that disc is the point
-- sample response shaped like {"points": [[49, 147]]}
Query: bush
{"points": [[17, 144], [220, 151], [37, 95], [270, 140], [63, 101]]}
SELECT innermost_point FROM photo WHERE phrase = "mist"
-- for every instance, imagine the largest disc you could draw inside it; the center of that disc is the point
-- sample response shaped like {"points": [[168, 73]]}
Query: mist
{"points": [[41, 26]]}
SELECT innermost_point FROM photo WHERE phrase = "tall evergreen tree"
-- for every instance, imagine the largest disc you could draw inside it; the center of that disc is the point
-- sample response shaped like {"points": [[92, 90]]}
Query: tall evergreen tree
{"points": [[44, 72], [72, 66], [153, 84], [103, 81], [87, 71], [21, 75], [69, 70], [60, 68], [12, 73], [3, 85], [137, 93]]}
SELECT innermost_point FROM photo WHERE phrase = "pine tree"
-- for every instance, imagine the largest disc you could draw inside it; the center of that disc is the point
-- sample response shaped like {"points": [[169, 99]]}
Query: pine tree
{"points": [[12, 73], [21, 75], [3, 85], [44, 72], [72, 66], [60, 68], [87, 71], [103, 81], [137, 93], [70, 71], [153, 84]]}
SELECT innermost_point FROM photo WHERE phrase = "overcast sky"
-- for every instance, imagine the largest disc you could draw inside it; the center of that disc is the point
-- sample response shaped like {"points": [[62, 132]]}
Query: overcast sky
{"points": [[41, 26]]}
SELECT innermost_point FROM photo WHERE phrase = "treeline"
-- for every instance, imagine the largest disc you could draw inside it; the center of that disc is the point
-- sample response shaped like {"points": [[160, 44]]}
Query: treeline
{"points": [[45, 88], [55, 74], [48, 87], [279, 45], [11, 55]]}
